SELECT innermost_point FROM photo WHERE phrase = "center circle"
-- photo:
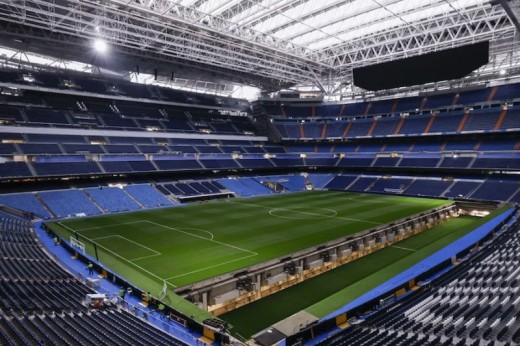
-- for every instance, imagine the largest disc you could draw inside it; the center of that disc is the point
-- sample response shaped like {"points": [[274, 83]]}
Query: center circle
{"points": [[302, 213]]}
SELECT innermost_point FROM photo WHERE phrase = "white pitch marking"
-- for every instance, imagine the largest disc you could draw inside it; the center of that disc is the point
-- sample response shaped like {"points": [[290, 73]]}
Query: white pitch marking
{"points": [[113, 225], [124, 259], [213, 266], [108, 236], [308, 213], [140, 258], [67, 227], [198, 229], [403, 248], [198, 236], [252, 253], [272, 212], [129, 240]]}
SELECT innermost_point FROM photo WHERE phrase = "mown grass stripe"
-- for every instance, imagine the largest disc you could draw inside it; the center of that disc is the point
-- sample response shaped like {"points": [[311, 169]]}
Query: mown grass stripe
{"points": [[329, 291], [188, 259]]}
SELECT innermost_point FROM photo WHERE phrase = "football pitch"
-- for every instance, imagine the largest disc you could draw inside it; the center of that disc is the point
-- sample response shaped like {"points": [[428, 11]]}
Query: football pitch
{"points": [[324, 294], [187, 244]]}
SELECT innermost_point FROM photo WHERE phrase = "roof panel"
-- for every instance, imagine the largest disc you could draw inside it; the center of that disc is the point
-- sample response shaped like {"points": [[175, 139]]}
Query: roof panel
{"points": [[253, 12], [349, 35], [349, 11], [313, 36], [288, 16], [187, 2], [264, 9], [343, 25], [308, 21], [272, 22], [292, 30], [214, 7], [381, 19], [320, 19]]}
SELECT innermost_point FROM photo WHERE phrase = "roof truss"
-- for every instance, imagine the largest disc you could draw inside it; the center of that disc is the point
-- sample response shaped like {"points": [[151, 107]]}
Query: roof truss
{"points": [[292, 41]]}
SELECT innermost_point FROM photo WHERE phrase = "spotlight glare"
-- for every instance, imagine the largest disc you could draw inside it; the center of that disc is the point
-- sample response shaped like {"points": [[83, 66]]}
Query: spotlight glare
{"points": [[502, 72], [100, 45]]}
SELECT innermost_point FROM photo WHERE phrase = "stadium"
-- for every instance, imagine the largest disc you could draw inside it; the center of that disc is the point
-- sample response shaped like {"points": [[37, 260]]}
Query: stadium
{"points": [[259, 172]]}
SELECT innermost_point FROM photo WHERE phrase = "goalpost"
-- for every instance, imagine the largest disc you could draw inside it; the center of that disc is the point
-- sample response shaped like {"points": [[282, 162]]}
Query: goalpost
{"points": [[77, 244], [164, 291]]}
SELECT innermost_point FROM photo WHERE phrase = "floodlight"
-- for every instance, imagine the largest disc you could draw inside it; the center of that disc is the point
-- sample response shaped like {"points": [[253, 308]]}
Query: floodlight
{"points": [[502, 72], [100, 45]]}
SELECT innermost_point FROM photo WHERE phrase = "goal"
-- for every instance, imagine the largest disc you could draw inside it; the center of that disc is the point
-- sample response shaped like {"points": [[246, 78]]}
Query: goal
{"points": [[77, 244]]}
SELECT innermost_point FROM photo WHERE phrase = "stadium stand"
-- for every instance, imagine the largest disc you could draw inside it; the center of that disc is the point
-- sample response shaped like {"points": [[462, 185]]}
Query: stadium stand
{"points": [[68, 203], [245, 187], [362, 183], [15, 169], [112, 199], [75, 144], [431, 188], [147, 195], [42, 304], [26, 202], [340, 182], [462, 189], [496, 189], [474, 303], [396, 185], [470, 121]]}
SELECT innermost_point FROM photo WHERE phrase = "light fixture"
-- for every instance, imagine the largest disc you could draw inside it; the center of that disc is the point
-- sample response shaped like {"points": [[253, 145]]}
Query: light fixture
{"points": [[100, 45], [502, 72]]}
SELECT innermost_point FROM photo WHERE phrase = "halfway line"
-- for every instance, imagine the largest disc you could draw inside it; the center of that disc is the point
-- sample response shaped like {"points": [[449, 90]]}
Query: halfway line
{"points": [[305, 212]]}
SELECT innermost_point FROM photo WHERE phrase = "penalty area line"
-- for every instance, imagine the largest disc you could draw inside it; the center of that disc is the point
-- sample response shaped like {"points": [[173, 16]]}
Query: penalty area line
{"points": [[204, 238], [129, 240], [132, 264], [210, 267]]}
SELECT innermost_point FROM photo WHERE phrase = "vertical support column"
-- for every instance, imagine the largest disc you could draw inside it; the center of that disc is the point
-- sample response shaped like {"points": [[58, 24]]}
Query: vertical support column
{"points": [[205, 300], [301, 264], [259, 282]]}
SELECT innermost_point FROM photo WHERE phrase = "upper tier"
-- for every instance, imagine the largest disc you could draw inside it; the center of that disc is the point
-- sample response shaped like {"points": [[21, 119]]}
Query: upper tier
{"points": [[496, 94], [492, 119], [102, 85]]}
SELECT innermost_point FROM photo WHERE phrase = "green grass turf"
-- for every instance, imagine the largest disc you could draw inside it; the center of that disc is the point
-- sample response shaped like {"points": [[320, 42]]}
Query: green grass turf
{"points": [[328, 292], [183, 245]]}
